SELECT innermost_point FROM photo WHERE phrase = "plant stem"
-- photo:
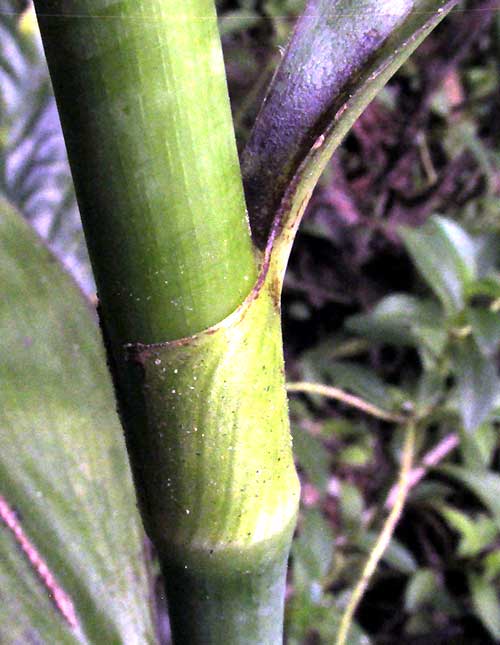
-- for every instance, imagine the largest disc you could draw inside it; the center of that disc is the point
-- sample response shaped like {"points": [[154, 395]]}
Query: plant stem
{"points": [[246, 607], [430, 460], [349, 399], [384, 538], [217, 481], [142, 96], [197, 366]]}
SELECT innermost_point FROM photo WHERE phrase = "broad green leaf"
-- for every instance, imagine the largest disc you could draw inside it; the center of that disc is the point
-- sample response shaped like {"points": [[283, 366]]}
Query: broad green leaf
{"points": [[312, 457], [396, 320], [485, 326], [483, 483], [477, 384], [486, 604], [312, 550], [445, 256], [475, 533], [63, 466]]}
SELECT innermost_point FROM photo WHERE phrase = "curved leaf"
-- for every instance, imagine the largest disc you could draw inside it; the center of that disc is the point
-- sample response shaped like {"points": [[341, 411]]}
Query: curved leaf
{"points": [[485, 484], [485, 603], [478, 384], [66, 497], [401, 319], [341, 54], [445, 256], [485, 325]]}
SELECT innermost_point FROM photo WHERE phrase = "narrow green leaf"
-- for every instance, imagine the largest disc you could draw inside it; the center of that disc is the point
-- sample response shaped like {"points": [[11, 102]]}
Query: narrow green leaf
{"points": [[477, 384], [475, 533], [402, 319], [485, 326], [238, 20], [63, 466], [491, 564], [312, 457], [445, 257], [478, 448], [430, 388], [352, 506], [483, 483], [486, 603], [431, 341], [427, 492], [312, 550], [487, 253], [355, 456]]}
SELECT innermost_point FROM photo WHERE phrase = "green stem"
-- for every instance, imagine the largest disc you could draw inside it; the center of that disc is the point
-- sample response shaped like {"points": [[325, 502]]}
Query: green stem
{"points": [[246, 607], [143, 101], [217, 481], [142, 95]]}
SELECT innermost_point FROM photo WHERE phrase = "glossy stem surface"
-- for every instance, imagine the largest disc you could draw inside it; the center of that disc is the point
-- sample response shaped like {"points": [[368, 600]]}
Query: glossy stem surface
{"points": [[142, 95]]}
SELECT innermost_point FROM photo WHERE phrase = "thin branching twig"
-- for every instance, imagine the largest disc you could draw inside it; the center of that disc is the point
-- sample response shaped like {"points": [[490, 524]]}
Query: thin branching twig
{"points": [[431, 459], [349, 399], [385, 536]]}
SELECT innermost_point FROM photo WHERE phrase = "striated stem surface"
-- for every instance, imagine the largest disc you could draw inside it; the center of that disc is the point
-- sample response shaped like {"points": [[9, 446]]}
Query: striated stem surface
{"points": [[142, 95], [141, 91]]}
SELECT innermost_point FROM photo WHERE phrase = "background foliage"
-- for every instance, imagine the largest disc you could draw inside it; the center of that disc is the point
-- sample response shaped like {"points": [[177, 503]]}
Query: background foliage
{"points": [[406, 318]]}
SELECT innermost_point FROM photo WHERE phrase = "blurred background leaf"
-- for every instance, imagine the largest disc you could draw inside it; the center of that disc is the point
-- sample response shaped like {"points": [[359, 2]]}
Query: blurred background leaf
{"points": [[34, 172]]}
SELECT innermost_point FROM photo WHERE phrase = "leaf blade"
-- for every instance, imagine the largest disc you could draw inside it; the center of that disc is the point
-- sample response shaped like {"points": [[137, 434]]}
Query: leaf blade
{"points": [[341, 54], [483, 483], [63, 466], [444, 255], [477, 384]]}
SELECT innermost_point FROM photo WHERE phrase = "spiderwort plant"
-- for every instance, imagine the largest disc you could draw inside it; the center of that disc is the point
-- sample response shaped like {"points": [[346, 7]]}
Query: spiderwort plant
{"points": [[189, 290]]}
